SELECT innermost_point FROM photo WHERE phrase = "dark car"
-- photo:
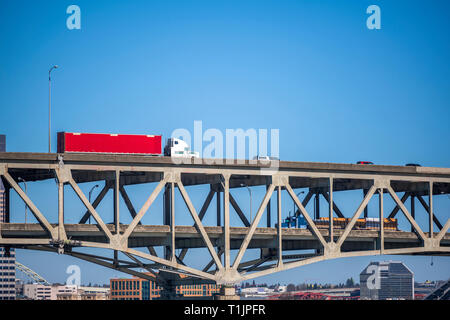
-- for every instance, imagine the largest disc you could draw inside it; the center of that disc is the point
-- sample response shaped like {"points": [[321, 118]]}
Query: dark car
{"points": [[413, 165], [364, 162]]}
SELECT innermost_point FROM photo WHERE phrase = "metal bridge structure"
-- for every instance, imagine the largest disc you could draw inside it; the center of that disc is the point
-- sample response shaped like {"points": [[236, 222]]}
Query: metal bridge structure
{"points": [[225, 243], [31, 274], [441, 293]]}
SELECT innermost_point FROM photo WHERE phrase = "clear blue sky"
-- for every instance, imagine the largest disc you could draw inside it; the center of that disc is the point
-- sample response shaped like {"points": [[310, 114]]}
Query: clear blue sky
{"points": [[337, 91]]}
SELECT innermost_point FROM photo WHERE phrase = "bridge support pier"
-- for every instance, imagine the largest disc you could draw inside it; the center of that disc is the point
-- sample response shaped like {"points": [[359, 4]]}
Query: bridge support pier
{"points": [[227, 293]]}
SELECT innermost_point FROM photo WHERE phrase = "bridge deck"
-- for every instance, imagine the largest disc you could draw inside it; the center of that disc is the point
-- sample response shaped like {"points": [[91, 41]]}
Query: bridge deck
{"points": [[145, 169]]}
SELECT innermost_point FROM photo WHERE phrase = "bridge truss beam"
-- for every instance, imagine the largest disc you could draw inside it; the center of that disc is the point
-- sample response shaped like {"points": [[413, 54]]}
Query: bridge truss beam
{"points": [[221, 241]]}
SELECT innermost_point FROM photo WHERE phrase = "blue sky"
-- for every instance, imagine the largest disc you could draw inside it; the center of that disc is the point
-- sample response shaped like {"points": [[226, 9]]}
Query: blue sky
{"points": [[337, 91]]}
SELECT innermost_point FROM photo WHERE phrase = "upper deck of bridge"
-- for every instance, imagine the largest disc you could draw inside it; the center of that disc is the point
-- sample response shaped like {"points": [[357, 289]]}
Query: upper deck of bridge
{"points": [[35, 167]]}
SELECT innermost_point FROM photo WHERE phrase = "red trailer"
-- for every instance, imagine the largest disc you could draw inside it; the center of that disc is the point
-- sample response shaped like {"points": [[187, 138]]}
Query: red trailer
{"points": [[109, 143]]}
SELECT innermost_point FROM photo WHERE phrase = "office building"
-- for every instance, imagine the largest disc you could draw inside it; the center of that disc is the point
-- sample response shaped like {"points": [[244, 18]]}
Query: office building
{"points": [[85, 293], [37, 291], [387, 280], [140, 289]]}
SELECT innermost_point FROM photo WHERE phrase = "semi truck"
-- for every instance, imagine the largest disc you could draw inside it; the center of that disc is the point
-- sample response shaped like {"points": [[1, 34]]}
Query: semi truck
{"points": [[133, 144]]}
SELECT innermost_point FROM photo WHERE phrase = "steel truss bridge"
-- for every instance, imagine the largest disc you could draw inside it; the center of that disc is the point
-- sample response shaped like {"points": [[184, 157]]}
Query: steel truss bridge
{"points": [[223, 240], [31, 274]]}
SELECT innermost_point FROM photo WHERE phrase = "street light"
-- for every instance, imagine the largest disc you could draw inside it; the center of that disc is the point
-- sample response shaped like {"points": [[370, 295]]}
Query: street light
{"points": [[250, 192], [49, 107], [90, 193], [26, 206]]}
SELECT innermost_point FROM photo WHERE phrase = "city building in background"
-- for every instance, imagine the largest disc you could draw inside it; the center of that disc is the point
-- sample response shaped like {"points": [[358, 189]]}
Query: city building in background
{"points": [[140, 289], [7, 255], [38, 291], [387, 280], [85, 293]]}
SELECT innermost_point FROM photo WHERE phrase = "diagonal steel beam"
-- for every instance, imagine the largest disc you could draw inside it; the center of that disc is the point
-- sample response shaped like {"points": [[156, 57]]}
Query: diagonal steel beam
{"points": [[443, 231], [427, 208], [286, 266], [252, 229], [158, 279], [199, 225], [82, 256], [305, 214], [97, 201], [335, 207], [94, 259], [256, 265], [39, 216], [211, 263], [406, 213], [201, 214], [355, 217], [239, 211], [91, 209], [205, 206], [128, 203], [168, 263], [397, 208], [305, 202], [144, 208], [133, 213]]}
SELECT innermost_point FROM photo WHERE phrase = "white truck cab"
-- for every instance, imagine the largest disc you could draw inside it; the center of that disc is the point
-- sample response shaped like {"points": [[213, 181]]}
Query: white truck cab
{"points": [[179, 148]]}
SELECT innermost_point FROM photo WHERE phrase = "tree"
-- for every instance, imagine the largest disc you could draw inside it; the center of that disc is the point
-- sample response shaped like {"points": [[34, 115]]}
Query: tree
{"points": [[290, 287], [350, 283]]}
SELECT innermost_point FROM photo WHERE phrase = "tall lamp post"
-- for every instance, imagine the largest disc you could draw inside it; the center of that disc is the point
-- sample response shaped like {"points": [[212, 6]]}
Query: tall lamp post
{"points": [[90, 193], [26, 206], [49, 107]]}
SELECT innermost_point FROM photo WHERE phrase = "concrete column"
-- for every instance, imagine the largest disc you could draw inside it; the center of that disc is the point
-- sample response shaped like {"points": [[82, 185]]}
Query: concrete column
{"points": [[167, 214], [330, 202], [227, 293], [280, 240], [430, 201], [226, 221], [381, 236], [116, 202], [172, 222], [61, 232]]}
